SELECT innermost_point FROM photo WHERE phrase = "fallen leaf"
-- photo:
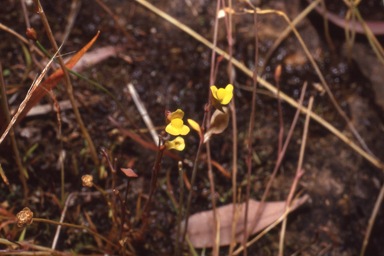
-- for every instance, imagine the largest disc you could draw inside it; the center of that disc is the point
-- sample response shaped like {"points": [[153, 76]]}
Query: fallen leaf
{"points": [[201, 225]]}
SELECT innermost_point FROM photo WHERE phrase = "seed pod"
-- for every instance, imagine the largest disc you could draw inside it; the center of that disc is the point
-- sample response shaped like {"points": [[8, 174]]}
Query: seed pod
{"points": [[25, 217]]}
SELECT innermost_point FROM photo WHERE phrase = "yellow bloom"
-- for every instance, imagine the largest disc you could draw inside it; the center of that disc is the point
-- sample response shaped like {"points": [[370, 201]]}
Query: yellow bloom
{"points": [[223, 96], [177, 144], [177, 127]]}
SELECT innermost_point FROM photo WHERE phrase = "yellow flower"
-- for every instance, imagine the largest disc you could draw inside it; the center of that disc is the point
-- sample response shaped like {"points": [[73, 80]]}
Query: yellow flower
{"points": [[223, 96], [177, 144], [176, 125]]}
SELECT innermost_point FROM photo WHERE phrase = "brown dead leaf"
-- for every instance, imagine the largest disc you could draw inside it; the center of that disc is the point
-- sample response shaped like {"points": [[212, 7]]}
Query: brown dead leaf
{"points": [[201, 225]]}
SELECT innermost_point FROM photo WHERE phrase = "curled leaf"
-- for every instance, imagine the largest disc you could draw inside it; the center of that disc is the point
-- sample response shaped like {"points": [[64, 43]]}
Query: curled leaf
{"points": [[219, 123]]}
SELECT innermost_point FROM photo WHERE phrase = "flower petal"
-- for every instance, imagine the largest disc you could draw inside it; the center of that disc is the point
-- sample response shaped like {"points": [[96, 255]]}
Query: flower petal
{"points": [[214, 91], [171, 130], [179, 143], [169, 145], [221, 93], [177, 114], [185, 130], [229, 88], [177, 123], [227, 98]]}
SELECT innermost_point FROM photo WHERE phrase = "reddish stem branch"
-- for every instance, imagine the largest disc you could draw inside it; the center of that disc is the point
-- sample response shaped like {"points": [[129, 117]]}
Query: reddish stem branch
{"points": [[250, 139]]}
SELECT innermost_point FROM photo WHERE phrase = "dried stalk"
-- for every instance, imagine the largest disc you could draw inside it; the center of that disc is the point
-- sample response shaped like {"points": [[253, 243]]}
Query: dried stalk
{"points": [[250, 134], [4, 106], [67, 82]]}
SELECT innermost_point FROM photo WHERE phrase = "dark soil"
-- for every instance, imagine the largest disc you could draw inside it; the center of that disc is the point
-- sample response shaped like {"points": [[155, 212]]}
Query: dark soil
{"points": [[170, 70]]}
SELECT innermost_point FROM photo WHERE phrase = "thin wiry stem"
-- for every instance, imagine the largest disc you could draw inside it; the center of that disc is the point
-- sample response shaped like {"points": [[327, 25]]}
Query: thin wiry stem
{"points": [[280, 158], [4, 105], [251, 129], [181, 201], [210, 172], [228, 24], [67, 82], [299, 173]]}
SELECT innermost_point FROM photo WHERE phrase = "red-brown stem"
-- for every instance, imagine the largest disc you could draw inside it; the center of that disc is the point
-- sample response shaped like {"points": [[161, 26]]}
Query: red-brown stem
{"points": [[194, 171], [280, 158], [210, 173], [113, 206], [299, 174], [155, 173], [181, 201], [122, 207], [228, 25], [250, 140]]}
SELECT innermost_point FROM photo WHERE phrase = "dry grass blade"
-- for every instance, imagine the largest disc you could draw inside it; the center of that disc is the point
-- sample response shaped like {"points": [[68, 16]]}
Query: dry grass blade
{"points": [[372, 220], [34, 85], [143, 112], [372, 159]]}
